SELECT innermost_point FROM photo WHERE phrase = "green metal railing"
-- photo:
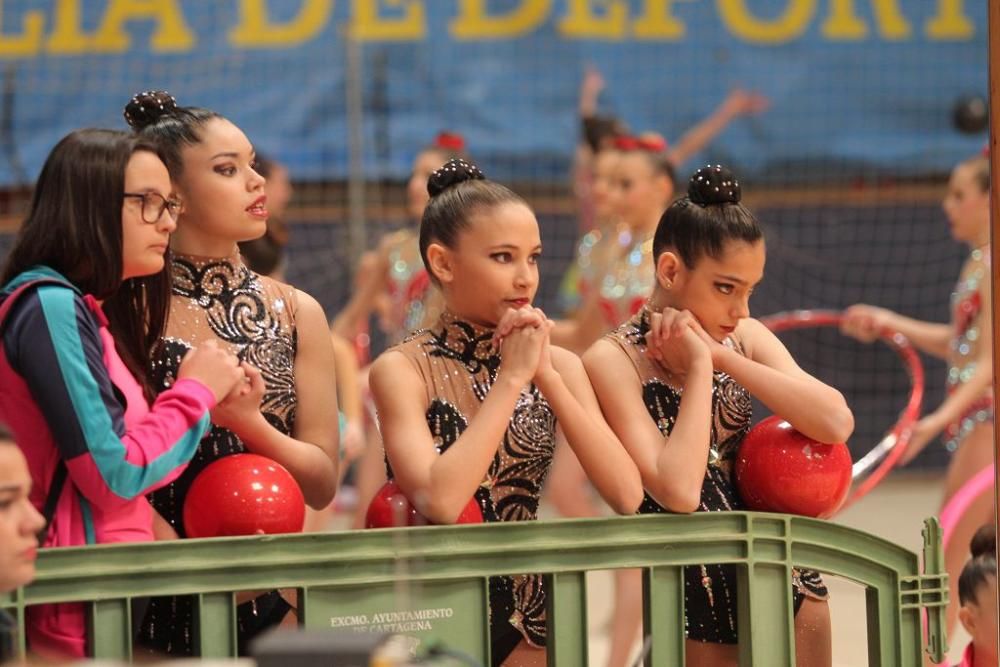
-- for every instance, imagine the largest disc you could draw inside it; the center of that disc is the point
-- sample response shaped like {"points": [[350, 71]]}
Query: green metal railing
{"points": [[430, 583]]}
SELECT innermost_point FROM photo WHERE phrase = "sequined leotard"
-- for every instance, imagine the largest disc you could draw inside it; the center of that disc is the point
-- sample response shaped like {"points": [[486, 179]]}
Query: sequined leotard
{"points": [[458, 367], [253, 317], [615, 267], [966, 314], [709, 590], [415, 303]]}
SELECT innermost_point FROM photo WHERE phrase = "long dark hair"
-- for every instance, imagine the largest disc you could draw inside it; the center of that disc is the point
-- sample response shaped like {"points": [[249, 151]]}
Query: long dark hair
{"points": [[75, 227]]}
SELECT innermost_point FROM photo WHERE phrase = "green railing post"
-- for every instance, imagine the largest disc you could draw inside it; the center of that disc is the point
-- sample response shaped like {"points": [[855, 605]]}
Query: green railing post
{"points": [[111, 629], [215, 616], [566, 609], [765, 617], [933, 591], [663, 615]]}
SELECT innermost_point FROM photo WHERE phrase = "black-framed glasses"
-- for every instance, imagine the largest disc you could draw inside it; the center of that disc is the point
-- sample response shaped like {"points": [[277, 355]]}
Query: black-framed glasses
{"points": [[154, 204]]}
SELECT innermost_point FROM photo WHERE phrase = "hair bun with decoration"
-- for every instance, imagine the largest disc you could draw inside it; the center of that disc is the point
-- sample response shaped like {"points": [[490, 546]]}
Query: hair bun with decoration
{"points": [[144, 109], [453, 172], [713, 185]]}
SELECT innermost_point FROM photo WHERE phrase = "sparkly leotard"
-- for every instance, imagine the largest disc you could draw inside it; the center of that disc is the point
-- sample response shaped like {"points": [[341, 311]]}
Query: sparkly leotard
{"points": [[253, 317], [627, 278], [966, 314], [709, 590], [458, 367], [415, 303]]}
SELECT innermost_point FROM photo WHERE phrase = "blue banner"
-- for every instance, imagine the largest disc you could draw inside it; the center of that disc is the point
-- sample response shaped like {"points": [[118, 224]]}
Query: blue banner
{"points": [[856, 86]]}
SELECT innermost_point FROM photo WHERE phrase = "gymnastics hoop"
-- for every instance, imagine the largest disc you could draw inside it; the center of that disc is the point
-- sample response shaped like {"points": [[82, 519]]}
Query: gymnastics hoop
{"points": [[868, 471], [968, 493]]}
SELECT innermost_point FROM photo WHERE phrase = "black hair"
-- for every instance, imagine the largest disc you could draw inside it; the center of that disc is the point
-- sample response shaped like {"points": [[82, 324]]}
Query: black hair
{"points": [[263, 255], [710, 215], [984, 541], [5, 435], [981, 166], [155, 115], [981, 566], [458, 191], [597, 130], [653, 148], [974, 575], [74, 226]]}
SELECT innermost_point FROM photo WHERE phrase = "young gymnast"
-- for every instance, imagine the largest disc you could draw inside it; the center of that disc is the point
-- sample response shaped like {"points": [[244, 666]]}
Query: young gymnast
{"points": [[965, 418], [675, 381], [469, 407], [290, 415], [392, 280], [977, 595], [393, 283]]}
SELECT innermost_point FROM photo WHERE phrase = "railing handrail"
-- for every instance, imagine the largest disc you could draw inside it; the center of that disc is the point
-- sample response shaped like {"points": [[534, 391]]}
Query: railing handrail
{"points": [[758, 541]]}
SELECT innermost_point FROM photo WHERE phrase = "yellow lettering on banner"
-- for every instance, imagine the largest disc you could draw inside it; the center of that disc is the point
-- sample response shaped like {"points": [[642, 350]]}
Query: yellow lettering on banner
{"points": [[474, 20], [369, 24], [582, 21], [657, 21], [29, 42], [791, 24], [844, 24], [67, 30], [951, 22], [171, 33], [255, 28]]}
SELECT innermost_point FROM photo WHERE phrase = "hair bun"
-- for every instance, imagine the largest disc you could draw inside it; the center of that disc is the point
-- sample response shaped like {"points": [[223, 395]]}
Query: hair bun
{"points": [[454, 171], [146, 108], [714, 185]]}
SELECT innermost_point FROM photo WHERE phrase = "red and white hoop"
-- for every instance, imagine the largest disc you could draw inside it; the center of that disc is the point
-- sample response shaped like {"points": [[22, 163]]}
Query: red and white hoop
{"points": [[871, 468]]}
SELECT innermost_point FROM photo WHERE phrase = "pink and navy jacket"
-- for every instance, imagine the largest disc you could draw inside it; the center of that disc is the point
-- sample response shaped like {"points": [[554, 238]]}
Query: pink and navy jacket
{"points": [[66, 394]]}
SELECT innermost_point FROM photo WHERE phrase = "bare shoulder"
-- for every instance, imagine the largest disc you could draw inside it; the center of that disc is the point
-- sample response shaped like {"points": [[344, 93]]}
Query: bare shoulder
{"points": [[603, 352], [308, 314], [392, 369]]}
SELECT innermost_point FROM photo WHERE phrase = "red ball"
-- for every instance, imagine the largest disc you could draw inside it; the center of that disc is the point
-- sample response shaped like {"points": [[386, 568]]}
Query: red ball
{"points": [[780, 470], [391, 509], [243, 494]]}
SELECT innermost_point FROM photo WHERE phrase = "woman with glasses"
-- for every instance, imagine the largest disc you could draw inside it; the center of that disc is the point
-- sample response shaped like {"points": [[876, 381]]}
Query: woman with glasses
{"points": [[82, 308], [279, 330]]}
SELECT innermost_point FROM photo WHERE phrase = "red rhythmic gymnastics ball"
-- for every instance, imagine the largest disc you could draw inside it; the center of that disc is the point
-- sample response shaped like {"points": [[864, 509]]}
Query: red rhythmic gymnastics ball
{"points": [[780, 470], [243, 494], [391, 509]]}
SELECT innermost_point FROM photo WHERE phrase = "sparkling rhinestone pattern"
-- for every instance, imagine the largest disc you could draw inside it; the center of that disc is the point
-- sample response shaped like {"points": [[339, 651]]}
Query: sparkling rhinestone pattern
{"points": [[415, 303], [966, 316], [458, 365], [253, 317], [709, 590]]}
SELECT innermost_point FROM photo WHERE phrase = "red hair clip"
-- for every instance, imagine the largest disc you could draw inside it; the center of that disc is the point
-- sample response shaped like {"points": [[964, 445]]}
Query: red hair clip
{"points": [[652, 142], [626, 143], [451, 141]]}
